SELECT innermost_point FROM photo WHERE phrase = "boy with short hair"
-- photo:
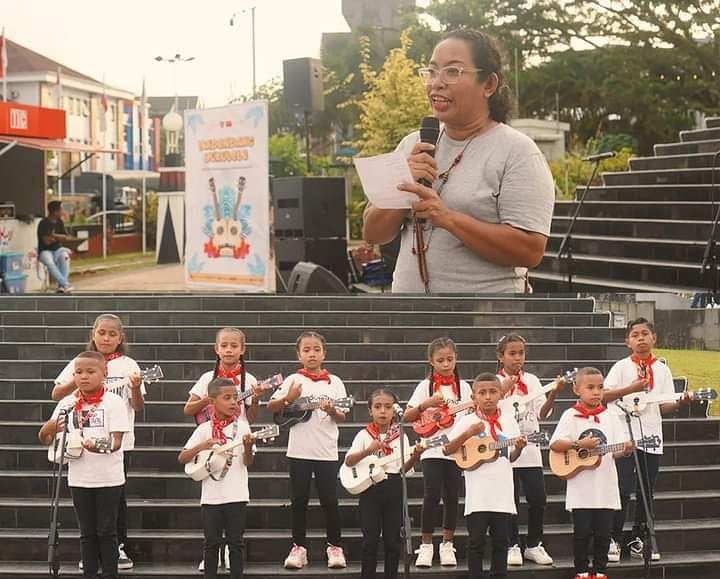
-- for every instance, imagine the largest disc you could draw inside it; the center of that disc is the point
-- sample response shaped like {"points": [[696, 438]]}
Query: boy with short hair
{"points": [[592, 495], [96, 477], [224, 498], [489, 490], [629, 379]]}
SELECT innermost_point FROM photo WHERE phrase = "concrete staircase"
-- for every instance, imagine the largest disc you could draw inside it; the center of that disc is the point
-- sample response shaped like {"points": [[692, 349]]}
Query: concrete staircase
{"points": [[372, 341], [644, 229]]}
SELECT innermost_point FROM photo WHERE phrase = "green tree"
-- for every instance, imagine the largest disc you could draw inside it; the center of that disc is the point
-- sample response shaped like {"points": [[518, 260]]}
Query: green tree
{"points": [[285, 157], [394, 103]]}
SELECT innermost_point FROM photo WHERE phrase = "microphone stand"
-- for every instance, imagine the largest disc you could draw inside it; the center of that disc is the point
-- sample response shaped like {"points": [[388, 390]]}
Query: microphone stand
{"points": [[648, 529], [566, 243], [710, 265], [54, 535], [406, 528]]}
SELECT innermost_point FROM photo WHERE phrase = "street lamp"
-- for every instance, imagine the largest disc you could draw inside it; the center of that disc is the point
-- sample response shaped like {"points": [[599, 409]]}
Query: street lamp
{"points": [[174, 60], [517, 35], [252, 36]]}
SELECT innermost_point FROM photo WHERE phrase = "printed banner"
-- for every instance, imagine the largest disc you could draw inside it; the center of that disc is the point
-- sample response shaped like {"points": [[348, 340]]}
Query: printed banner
{"points": [[227, 198]]}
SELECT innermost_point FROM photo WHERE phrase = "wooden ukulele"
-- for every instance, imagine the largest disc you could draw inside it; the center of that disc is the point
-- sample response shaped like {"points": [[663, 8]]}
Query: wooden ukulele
{"points": [[569, 463], [269, 385], [478, 450]]}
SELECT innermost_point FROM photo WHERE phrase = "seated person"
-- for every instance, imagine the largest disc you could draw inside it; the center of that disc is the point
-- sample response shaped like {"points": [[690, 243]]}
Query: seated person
{"points": [[51, 253]]}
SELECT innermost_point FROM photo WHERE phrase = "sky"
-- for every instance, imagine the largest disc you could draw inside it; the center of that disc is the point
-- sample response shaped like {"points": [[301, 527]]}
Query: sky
{"points": [[118, 40]]}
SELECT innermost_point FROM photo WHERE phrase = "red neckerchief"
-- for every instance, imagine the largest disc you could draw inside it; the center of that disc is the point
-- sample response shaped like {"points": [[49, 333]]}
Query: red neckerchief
{"points": [[589, 414], [319, 377], [644, 368], [218, 427], [230, 374], [92, 400], [519, 385], [392, 433], [439, 380], [113, 356], [493, 420]]}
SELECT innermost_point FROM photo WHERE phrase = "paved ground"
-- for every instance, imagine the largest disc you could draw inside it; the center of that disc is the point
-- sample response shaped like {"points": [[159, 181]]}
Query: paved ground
{"points": [[155, 278]]}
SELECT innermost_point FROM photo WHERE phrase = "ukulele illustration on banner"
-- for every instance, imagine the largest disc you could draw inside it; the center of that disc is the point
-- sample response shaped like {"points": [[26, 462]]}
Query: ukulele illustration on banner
{"points": [[226, 222]]}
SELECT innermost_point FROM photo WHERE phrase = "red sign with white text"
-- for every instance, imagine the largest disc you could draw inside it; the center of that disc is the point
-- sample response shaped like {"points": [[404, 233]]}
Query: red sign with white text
{"points": [[29, 121]]}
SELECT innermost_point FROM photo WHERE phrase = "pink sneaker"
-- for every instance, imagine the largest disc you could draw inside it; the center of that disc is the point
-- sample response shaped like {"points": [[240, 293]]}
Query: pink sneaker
{"points": [[336, 557], [297, 559]]}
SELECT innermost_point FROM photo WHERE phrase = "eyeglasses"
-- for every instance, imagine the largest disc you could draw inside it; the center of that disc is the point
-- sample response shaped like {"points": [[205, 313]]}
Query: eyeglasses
{"points": [[447, 74]]}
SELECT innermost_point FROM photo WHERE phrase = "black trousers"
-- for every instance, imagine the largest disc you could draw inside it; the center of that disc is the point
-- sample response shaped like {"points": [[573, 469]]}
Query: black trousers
{"points": [[96, 510], [629, 483], [592, 524], [229, 517], [533, 484], [478, 525], [381, 513], [440, 478], [122, 525], [326, 480]]}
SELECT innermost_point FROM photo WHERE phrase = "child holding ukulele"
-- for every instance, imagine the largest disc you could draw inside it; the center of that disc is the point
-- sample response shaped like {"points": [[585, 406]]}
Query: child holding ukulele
{"points": [[381, 504], [96, 478], [442, 389], [592, 495], [528, 469], [224, 501], [489, 496], [313, 448]]}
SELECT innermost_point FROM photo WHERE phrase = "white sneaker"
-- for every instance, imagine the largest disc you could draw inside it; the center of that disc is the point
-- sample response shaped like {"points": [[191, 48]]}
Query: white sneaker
{"points": [[201, 566], [514, 556], [613, 552], [124, 562], [447, 554], [538, 555], [335, 557], [297, 558], [225, 558], [424, 555]]}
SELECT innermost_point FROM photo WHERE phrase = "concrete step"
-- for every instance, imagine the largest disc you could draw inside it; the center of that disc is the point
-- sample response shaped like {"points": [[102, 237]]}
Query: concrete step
{"points": [[679, 250], [687, 147], [661, 176], [667, 193], [258, 335], [642, 228], [692, 160], [214, 302], [308, 320], [274, 514], [700, 134], [348, 351], [656, 210], [547, 280], [272, 545], [356, 370], [685, 565]]}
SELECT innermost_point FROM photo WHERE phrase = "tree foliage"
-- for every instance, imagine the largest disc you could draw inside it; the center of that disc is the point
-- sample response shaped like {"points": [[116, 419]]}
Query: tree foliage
{"points": [[394, 103]]}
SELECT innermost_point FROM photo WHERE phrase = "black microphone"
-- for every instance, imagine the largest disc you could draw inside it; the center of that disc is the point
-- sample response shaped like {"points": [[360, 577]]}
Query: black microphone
{"points": [[429, 133], [600, 156]]}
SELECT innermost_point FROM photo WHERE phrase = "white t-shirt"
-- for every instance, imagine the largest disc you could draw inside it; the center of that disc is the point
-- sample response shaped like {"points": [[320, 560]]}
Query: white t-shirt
{"points": [[422, 393], [316, 439], [118, 370], [234, 487], [596, 488], [200, 388], [529, 419], [92, 469], [624, 373], [363, 439], [490, 487]]}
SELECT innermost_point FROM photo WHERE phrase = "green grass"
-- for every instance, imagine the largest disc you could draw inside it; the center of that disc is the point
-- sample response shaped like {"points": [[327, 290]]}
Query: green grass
{"points": [[118, 259], [701, 367]]}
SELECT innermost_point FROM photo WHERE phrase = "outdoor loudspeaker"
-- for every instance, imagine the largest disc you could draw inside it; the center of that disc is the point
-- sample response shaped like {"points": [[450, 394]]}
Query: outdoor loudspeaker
{"points": [[309, 278], [303, 85]]}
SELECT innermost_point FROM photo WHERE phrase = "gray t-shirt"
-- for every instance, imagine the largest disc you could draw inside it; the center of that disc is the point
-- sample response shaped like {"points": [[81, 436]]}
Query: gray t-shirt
{"points": [[502, 178]]}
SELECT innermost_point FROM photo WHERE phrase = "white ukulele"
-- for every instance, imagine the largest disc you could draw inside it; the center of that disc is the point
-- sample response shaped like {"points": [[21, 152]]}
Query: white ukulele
{"points": [[509, 404], [212, 462], [644, 399]]}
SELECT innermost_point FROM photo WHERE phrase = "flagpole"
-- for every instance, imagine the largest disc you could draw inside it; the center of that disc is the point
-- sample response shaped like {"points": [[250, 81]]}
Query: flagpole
{"points": [[3, 63], [143, 136], [104, 178], [59, 153]]}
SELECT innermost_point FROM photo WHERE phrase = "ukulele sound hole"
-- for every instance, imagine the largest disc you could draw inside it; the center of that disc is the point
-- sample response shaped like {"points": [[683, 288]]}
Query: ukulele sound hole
{"points": [[481, 448], [583, 453]]}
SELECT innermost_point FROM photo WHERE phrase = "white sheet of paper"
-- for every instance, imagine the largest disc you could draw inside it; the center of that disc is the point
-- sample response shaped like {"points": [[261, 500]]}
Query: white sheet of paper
{"points": [[380, 175]]}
